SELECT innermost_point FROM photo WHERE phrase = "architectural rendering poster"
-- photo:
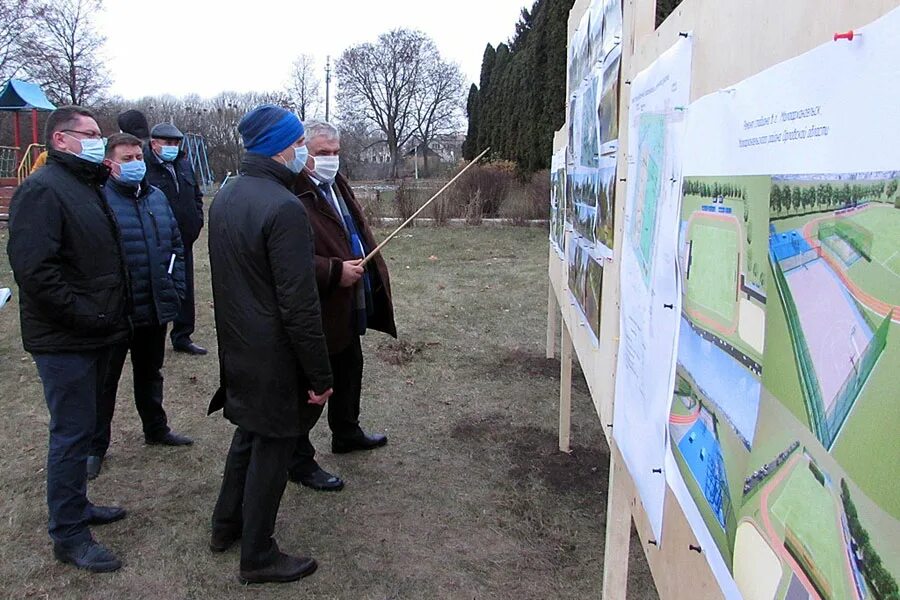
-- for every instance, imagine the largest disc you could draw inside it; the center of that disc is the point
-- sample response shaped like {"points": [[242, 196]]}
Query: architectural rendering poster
{"points": [[558, 200], [785, 415], [650, 300], [594, 70]]}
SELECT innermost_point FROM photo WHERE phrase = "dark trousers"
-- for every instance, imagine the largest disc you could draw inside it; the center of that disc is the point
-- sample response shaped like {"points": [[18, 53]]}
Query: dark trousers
{"points": [[254, 481], [72, 382], [183, 326], [343, 406], [148, 348]]}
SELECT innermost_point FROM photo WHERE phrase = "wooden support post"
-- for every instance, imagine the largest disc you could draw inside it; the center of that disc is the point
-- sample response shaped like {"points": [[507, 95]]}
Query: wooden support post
{"points": [[565, 390], [618, 528], [34, 126], [552, 321]]}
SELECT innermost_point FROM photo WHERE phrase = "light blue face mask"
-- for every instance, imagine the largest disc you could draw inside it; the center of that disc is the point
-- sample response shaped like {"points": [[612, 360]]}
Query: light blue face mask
{"points": [[92, 150], [301, 154], [168, 153], [132, 172]]}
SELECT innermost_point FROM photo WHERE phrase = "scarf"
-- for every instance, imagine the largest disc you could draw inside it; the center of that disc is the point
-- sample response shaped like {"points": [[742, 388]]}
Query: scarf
{"points": [[362, 291]]}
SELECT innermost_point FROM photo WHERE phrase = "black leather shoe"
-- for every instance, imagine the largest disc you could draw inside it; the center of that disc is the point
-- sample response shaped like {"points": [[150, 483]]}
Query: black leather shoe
{"points": [[220, 541], [101, 515], [90, 556], [94, 464], [359, 442], [321, 480], [169, 438], [285, 568], [191, 348]]}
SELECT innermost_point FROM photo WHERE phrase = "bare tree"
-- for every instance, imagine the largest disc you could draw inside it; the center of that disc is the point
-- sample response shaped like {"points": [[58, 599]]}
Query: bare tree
{"points": [[437, 107], [378, 82], [17, 17], [305, 88], [63, 52]]}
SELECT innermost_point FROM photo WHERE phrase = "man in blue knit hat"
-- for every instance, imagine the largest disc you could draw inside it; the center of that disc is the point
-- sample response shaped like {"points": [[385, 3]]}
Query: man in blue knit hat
{"points": [[273, 362]]}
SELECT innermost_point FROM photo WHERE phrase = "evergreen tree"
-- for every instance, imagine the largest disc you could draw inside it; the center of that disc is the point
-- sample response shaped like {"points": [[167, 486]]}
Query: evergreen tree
{"points": [[520, 100], [469, 148]]}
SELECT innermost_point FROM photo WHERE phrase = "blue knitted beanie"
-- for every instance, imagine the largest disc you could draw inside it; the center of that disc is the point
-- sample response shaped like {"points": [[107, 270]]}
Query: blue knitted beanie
{"points": [[269, 129]]}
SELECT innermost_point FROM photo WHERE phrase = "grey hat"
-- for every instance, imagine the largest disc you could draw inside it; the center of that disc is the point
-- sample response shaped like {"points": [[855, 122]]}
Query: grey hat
{"points": [[166, 131]]}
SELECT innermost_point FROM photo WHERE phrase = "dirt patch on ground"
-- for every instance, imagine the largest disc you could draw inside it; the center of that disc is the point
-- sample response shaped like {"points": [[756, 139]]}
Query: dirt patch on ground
{"points": [[531, 363], [402, 352], [534, 455]]}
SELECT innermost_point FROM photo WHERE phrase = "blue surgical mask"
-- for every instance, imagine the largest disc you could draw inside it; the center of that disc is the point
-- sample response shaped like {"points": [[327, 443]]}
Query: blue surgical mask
{"points": [[168, 153], [301, 154], [132, 172], [92, 149]]}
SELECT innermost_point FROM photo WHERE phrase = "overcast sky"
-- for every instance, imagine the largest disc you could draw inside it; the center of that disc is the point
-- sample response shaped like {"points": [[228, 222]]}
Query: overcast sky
{"points": [[205, 47]]}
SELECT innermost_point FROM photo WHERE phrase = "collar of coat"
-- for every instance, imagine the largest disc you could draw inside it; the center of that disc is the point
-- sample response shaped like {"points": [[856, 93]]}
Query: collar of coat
{"points": [[84, 170], [257, 165], [305, 184], [128, 190]]}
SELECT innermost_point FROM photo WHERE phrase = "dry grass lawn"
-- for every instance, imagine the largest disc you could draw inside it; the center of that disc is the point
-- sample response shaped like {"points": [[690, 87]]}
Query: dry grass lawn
{"points": [[470, 499]]}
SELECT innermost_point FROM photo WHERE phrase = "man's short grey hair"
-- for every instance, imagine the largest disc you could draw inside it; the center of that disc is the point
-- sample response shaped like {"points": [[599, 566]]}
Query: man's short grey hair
{"points": [[315, 128]]}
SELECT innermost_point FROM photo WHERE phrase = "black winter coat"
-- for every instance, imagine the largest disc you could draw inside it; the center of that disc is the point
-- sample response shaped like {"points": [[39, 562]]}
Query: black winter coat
{"points": [[66, 256], [150, 239], [268, 322], [184, 196]]}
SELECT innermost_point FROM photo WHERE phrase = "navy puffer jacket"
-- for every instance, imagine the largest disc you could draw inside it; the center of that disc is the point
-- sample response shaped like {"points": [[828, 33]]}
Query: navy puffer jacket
{"points": [[150, 237]]}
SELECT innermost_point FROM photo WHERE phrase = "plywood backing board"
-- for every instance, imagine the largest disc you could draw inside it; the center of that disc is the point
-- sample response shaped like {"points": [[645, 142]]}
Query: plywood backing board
{"points": [[733, 40]]}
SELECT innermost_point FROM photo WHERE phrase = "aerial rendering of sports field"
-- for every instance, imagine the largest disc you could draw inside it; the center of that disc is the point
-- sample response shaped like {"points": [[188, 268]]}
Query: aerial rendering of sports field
{"points": [[805, 530], [714, 410], [833, 337]]}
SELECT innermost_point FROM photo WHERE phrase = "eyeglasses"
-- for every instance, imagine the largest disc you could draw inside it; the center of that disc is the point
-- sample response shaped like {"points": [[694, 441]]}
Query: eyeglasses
{"points": [[90, 135]]}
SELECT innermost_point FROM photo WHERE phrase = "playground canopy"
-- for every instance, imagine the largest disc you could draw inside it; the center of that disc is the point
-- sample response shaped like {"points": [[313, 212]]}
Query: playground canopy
{"points": [[18, 95]]}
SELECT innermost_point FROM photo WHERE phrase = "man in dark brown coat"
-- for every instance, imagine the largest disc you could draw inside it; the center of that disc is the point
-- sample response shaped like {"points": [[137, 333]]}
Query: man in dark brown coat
{"points": [[353, 299]]}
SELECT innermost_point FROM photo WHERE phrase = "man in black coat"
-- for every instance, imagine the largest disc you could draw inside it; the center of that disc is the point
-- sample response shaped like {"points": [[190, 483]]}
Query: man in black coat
{"points": [[273, 360], [66, 256], [169, 169], [155, 258]]}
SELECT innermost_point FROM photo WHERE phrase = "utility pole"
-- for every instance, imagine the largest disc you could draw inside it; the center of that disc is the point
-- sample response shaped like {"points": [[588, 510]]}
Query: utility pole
{"points": [[327, 88]]}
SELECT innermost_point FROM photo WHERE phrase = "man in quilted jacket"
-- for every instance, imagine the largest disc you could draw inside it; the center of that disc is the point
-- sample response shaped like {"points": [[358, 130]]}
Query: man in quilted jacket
{"points": [[154, 253]]}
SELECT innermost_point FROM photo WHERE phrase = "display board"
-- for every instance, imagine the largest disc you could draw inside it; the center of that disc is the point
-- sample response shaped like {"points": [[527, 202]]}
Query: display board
{"points": [[649, 295], [593, 73], [777, 433]]}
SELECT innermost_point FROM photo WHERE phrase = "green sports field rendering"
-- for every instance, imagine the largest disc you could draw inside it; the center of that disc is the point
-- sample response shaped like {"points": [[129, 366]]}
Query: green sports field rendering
{"points": [[778, 431], [810, 510], [712, 282], [723, 247], [880, 276]]}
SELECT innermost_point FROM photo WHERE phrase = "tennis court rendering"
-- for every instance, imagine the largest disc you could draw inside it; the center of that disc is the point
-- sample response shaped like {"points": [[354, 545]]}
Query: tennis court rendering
{"points": [[838, 327]]}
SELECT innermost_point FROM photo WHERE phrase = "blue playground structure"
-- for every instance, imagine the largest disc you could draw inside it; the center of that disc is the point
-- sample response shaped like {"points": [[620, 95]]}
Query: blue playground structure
{"points": [[703, 455], [194, 146]]}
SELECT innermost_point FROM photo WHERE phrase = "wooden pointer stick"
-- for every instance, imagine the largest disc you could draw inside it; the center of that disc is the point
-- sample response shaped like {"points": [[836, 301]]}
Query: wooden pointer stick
{"points": [[372, 254]]}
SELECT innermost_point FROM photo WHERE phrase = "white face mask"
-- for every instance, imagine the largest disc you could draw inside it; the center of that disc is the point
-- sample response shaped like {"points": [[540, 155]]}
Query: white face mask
{"points": [[326, 167]]}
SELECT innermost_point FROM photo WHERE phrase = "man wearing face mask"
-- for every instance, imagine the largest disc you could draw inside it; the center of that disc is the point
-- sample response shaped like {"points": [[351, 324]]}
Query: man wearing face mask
{"points": [[273, 361], [169, 169], [155, 258], [65, 252], [353, 299]]}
